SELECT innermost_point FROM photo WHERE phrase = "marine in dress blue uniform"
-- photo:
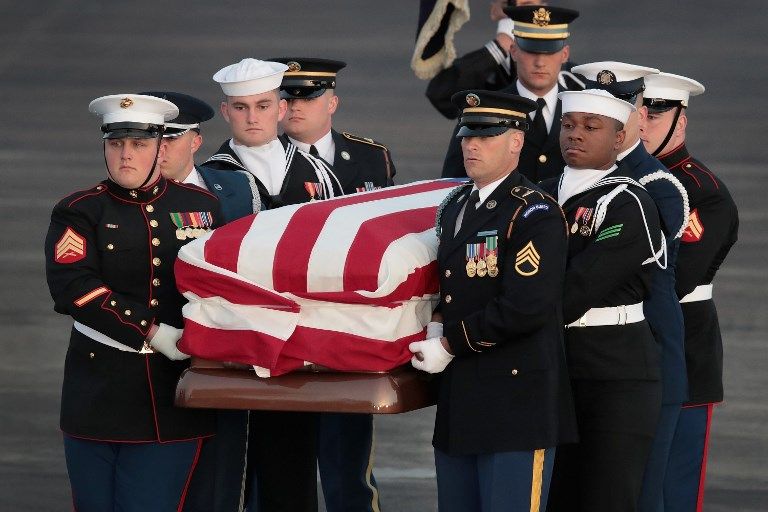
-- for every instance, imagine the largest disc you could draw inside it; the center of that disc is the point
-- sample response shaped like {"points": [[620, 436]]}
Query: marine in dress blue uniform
{"points": [[538, 30], [110, 251], [711, 232], [614, 249], [661, 308], [345, 450], [504, 402]]}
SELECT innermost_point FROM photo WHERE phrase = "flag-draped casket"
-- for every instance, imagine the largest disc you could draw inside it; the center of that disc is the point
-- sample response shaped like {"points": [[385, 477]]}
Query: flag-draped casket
{"points": [[345, 283]]}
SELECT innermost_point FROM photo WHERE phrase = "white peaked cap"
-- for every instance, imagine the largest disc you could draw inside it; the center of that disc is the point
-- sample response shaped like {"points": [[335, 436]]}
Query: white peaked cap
{"points": [[133, 108], [666, 86], [250, 76], [622, 71], [596, 101]]}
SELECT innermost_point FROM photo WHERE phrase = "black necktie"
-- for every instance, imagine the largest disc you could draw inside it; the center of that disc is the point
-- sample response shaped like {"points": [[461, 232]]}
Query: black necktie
{"points": [[313, 151], [539, 132], [470, 209]]}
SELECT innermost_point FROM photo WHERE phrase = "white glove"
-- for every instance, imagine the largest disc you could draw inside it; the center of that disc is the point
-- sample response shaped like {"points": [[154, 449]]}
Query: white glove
{"points": [[434, 356], [434, 330], [164, 341], [506, 27]]}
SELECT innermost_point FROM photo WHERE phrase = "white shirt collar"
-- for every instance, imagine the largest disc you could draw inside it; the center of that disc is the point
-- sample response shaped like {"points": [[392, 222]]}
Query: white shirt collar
{"points": [[621, 156], [487, 190], [325, 146], [575, 181], [550, 98], [194, 178]]}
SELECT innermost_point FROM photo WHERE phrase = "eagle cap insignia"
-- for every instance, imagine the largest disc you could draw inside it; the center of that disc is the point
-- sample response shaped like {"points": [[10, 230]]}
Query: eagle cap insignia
{"points": [[606, 77], [541, 17], [126, 103], [294, 66], [473, 100]]}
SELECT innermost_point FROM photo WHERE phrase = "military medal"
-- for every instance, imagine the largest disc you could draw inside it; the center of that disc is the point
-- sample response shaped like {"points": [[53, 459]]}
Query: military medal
{"points": [[311, 189], [574, 228], [491, 259], [482, 266], [471, 265]]}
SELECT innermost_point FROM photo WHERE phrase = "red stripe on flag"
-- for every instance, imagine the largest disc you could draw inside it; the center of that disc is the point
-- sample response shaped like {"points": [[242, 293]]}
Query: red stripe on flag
{"points": [[361, 269], [223, 247], [289, 272], [204, 283]]}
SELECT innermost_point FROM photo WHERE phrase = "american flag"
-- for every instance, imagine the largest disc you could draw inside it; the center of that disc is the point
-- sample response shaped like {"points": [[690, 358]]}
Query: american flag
{"points": [[345, 283]]}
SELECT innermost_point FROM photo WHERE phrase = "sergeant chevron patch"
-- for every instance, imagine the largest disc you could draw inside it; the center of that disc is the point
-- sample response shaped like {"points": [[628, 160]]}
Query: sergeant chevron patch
{"points": [[609, 232], [70, 247], [695, 229], [527, 260]]}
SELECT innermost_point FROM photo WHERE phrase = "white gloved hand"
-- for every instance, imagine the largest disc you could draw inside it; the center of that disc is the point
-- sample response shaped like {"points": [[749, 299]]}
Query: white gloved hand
{"points": [[506, 26], [164, 341], [434, 357], [434, 330]]}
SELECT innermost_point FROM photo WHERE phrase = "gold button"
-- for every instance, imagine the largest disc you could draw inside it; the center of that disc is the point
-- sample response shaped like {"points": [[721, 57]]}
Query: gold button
{"points": [[155, 242], [110, 246], [150, 208], [154, 302], [687, 166], [91, 355], [447, 273], [543, 159], [100, 187], [113, 303], [448, 299], [153, 223], [514, 371], [155, 282], [127, 312], [143, 323], [156, 262]]}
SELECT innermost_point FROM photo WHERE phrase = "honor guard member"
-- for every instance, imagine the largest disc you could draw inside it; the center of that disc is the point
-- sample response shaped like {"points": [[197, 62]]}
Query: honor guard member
{"points": [[109, 261], [540, 50], [252, 107], [217, 483], [309, 85], [712, 230], [490, 67], [626, 81], [237, 192], [615, 247], [281, 468], [345, 449], [504, 401]]}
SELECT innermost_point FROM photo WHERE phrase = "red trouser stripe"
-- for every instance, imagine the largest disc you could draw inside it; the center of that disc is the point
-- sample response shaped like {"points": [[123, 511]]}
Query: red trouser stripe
{"points": [[703, 474]]}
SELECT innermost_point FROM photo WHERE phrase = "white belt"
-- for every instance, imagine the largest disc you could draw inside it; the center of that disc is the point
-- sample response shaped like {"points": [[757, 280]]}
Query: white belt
{"points": [[615, 315], [106, 340], [701, 292]]}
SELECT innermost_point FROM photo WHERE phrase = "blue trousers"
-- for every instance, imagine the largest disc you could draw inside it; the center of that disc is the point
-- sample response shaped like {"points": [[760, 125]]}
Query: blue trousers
{"points": [[684, 482], [345, 460], [652, 490], [129, 477], [495, 482]]}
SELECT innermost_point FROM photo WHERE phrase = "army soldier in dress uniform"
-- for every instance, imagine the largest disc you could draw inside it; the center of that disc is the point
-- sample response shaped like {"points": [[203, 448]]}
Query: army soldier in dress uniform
{"points": [[497, 334], [616, 245], [540, 49], [712, 230], [109, 260], [626, 81], [252, 108], [345, 451], [490, 67]]}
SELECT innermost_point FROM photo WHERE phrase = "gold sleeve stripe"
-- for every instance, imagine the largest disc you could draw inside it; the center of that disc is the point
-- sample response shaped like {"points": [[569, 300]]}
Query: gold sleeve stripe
{"points": [[88, 297]]}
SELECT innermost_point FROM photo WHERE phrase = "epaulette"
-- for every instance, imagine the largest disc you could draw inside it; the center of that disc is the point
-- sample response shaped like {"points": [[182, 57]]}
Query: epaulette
{"points": [[526, 194], [71, 199], [364, 140]]}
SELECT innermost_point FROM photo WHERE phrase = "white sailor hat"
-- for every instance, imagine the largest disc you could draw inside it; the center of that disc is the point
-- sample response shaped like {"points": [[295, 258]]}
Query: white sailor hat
{"points": [[132, 115], [596, 101], [250, 76], [665, 90], [622, 80]]}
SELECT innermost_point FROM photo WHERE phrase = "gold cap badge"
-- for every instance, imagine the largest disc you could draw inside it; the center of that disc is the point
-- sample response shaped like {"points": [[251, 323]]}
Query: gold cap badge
{"points": [[294, 66], [541, 17], [473, 100], [606, 77], [126, 103]]}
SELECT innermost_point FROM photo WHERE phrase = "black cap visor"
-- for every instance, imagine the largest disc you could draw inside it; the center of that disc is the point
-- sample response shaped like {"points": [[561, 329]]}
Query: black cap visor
{"points": [[299, 93], [540, 45], [131, 130]]}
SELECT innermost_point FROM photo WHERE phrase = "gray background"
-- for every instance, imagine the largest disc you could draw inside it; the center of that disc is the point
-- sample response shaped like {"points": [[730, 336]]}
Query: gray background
{"points": [[55, 56]]}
